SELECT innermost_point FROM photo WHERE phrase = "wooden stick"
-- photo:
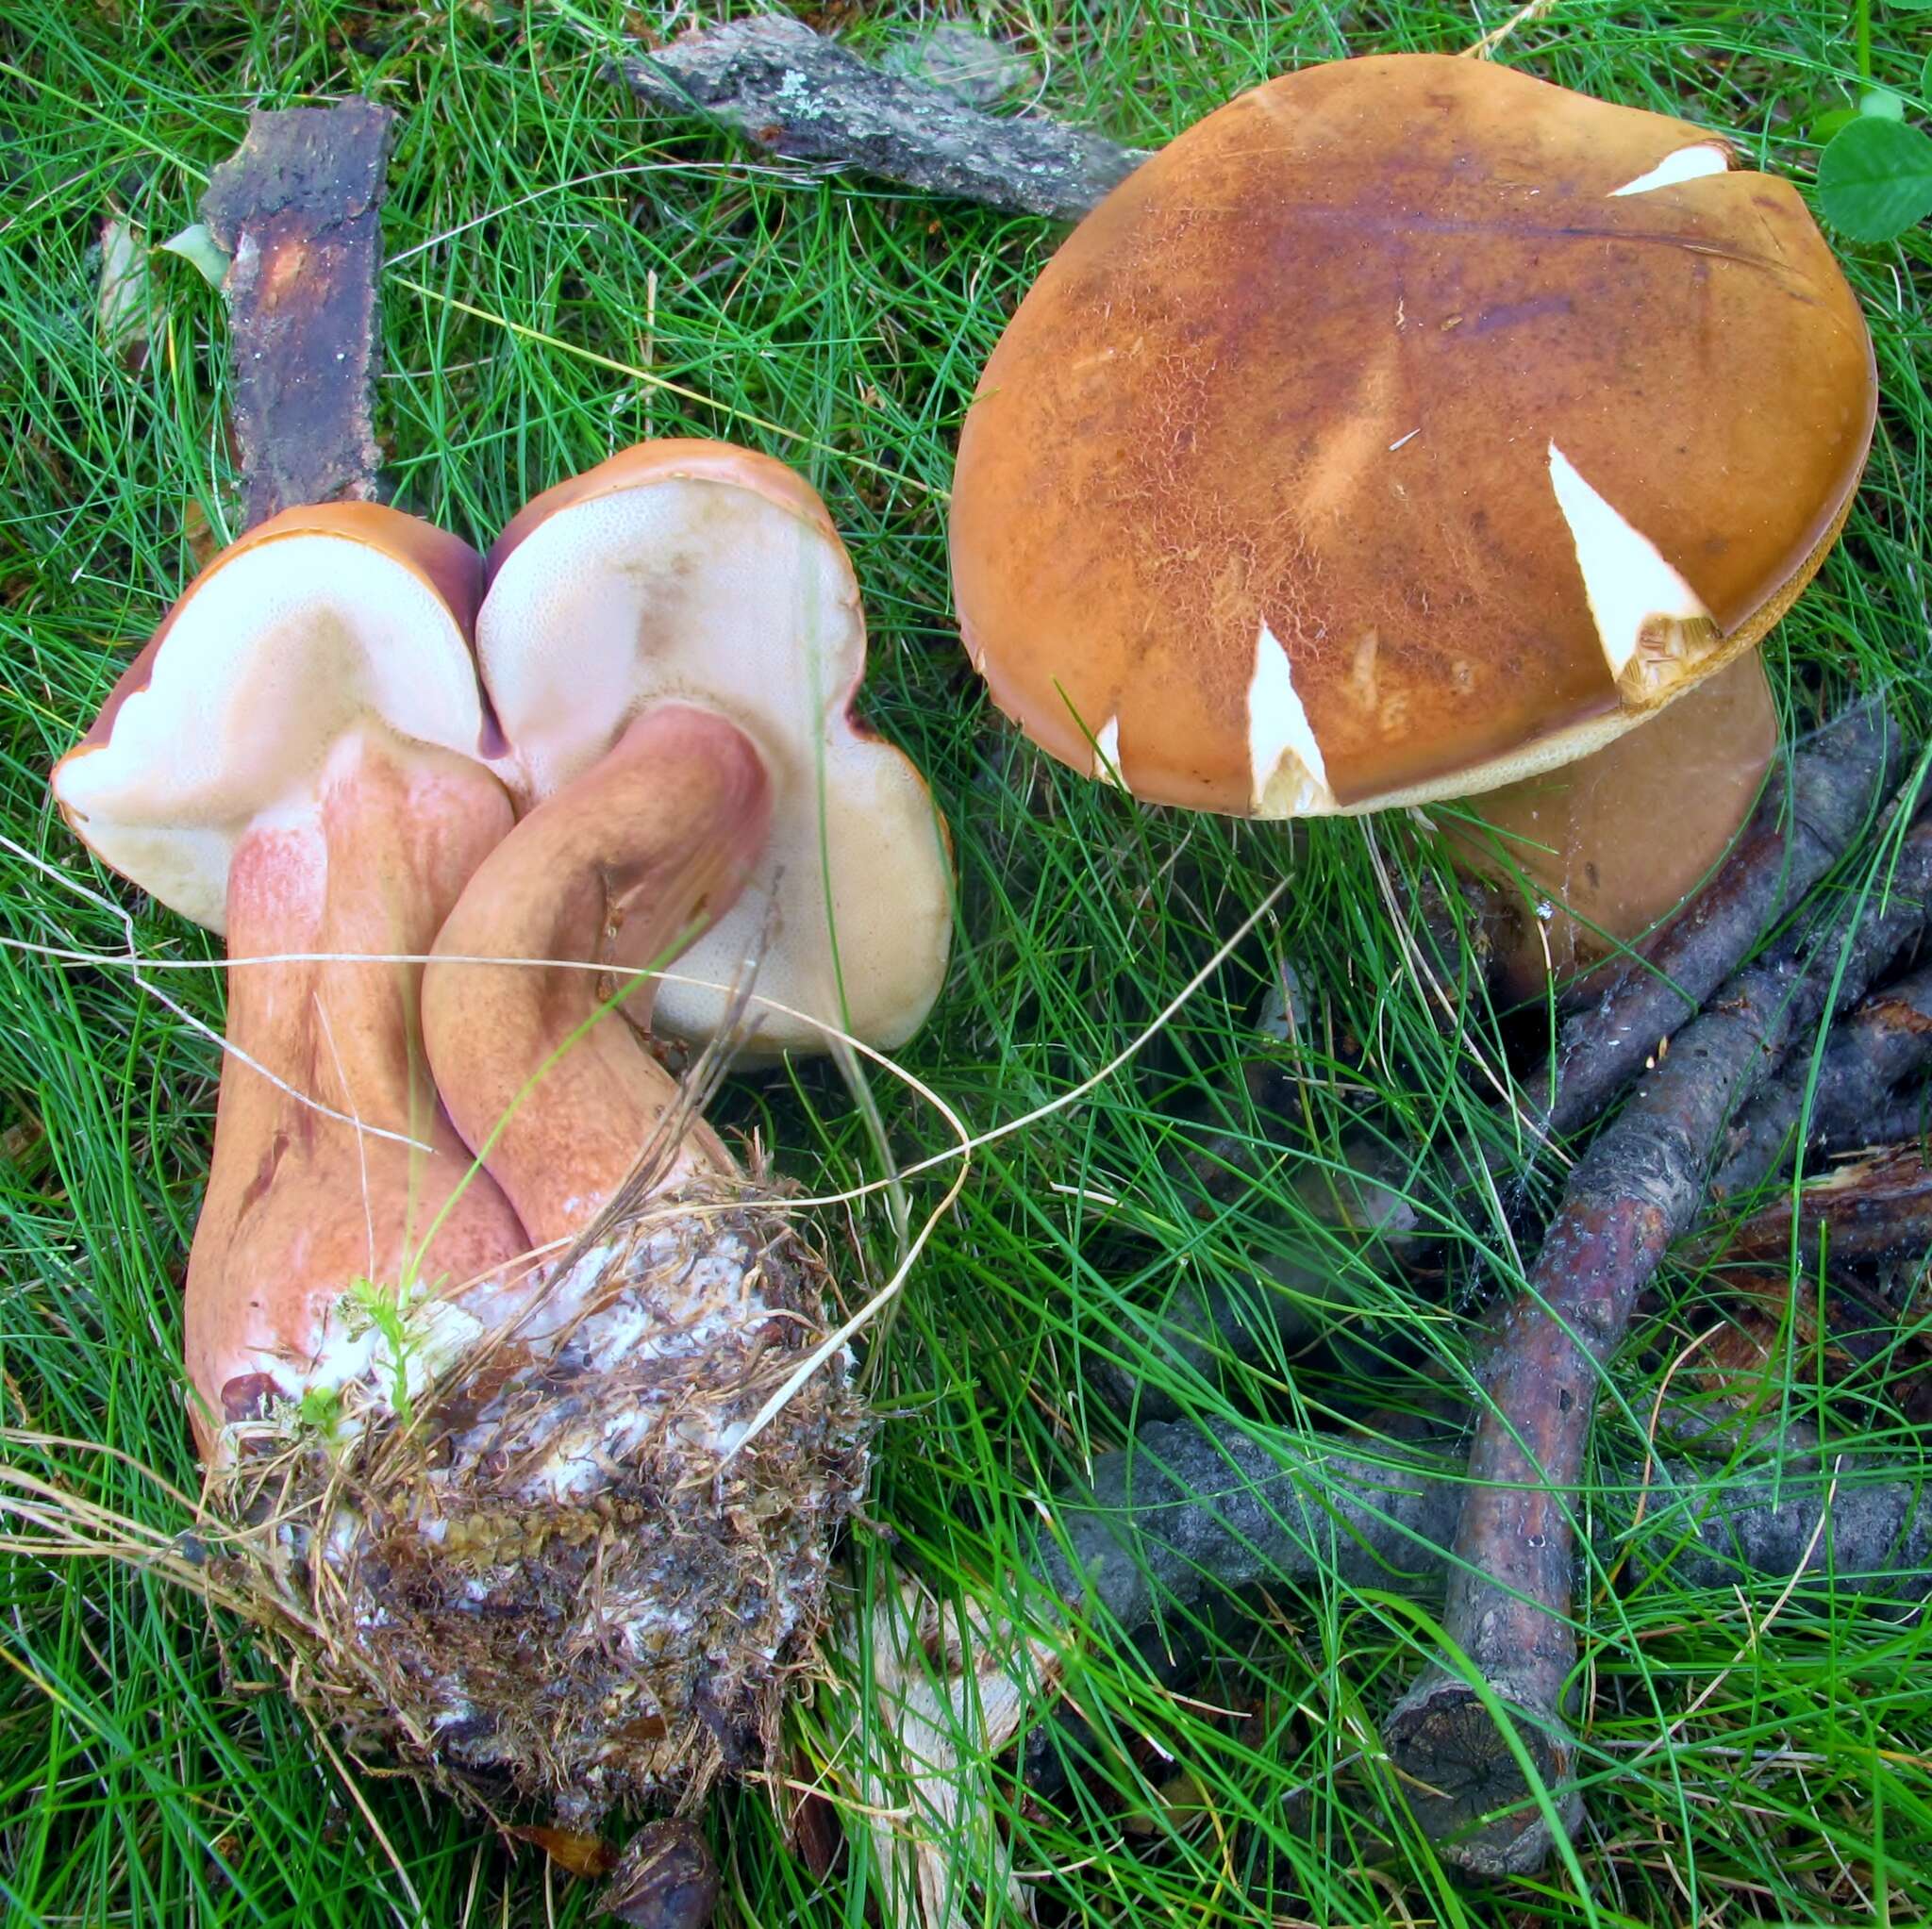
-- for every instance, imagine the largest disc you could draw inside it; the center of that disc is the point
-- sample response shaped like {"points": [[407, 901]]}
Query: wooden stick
{"points": [[1877, 1208], [794, 92], [1871, 1050], [1189, 1512], [297, 208], [1640, 1185], [1797, 836]]}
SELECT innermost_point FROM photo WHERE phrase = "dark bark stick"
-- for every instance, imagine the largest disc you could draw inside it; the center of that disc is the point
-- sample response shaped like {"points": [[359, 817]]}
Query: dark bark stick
{"points": [[1887, 1040], [1639, 1185], [1797, 837], [1190, 1512], [1902, 1118], [1190, 1518], [298, 208], [794, 92]]}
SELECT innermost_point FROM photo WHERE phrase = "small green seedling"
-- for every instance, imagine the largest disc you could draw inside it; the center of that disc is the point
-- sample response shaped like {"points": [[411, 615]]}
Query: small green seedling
{"points": [[387, 1310], [321, 1409]]}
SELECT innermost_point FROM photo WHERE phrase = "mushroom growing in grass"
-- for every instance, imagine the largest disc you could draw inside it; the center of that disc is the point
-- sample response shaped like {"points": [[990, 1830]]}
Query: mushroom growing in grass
{"points": [[701, 571], [1406, 429], [295, 760]]}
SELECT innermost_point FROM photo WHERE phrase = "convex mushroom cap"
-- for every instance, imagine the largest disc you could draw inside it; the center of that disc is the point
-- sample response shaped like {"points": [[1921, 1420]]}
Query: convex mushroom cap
{"points": [[1405, 428], [707, 575], [295, 759]]}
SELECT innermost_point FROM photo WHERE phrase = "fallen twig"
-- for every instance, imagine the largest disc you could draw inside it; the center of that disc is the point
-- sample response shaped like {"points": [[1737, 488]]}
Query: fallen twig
{"points": [[1188, 1511], [1877, 1208], [792, 92], [1185, 1516], [1640, 1185], [1835, 781], [297, 208], [1798, 834], [1870, 1052]]}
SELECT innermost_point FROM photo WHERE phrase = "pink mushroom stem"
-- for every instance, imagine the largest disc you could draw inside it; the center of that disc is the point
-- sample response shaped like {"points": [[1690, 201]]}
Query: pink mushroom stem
{"points": [[547, 1079], [302, 1205]]}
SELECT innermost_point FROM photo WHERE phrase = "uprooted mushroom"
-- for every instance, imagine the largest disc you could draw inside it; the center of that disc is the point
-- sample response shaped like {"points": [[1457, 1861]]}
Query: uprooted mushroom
{"points": [[520, 1450], [296, 759]]}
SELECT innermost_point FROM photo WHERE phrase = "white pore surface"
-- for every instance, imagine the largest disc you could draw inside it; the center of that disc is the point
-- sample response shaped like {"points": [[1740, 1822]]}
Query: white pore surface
{"points": [[273, 656], [708, 592]]}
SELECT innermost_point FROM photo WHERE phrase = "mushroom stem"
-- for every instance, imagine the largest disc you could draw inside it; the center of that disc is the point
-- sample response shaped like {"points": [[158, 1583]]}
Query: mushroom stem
{"points": [[624, 867], [301, 1205]]}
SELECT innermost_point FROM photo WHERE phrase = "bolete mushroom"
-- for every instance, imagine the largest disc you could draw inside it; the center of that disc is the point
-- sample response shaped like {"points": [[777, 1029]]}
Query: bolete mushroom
{"points": [[602, 1581], [562, 1519], [701, 571], [1406, 428], [295, 759]]}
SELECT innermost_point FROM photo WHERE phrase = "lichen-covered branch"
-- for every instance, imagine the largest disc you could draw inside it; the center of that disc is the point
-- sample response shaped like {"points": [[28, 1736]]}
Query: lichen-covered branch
{"points": [[794, 92], [297, 206]]}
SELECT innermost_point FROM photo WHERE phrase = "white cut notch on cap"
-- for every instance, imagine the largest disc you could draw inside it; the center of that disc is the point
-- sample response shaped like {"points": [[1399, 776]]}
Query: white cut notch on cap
{"points": [[1291, 777], [1627, 577], [1686, 165]]}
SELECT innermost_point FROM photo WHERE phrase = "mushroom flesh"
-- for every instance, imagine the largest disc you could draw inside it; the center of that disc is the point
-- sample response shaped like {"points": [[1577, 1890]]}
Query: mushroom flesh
{"points": [[703, 573]]}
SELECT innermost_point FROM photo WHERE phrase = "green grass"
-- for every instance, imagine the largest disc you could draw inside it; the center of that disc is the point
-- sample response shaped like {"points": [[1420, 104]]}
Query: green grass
{"points": [[840, 326]]}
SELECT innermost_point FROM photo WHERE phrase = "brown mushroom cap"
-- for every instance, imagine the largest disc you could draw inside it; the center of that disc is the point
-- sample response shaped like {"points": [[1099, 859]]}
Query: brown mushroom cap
{"points": [[1569, 833], [1405, 428], [317, 618], [706, 574]]}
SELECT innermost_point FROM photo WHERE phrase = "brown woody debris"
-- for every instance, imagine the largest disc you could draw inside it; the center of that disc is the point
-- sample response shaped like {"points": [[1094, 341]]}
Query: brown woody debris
{"points": [[297, 206]]}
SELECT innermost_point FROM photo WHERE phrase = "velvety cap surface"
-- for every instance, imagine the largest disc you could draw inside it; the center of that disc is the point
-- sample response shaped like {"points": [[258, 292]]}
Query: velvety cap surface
{"points": [[1406, 426]]}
